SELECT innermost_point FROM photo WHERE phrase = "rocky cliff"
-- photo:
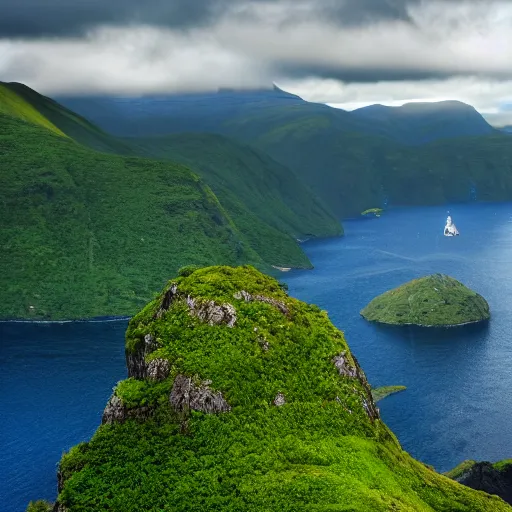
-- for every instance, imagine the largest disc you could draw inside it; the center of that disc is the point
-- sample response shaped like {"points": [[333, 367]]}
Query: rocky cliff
{"points": [[241, 398], [485, 476]]}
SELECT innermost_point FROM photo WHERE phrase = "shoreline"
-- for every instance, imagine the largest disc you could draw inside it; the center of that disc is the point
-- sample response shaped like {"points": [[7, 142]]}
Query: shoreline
{"points": [[79, 320]]}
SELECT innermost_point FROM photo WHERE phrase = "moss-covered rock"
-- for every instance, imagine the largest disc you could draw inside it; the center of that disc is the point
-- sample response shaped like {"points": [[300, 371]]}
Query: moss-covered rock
{"points": [[264, 409], [436, 300]]}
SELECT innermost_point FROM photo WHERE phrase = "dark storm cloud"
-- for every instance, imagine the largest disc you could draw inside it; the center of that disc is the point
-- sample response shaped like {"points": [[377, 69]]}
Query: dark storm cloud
{"points": [[364, 75], [37, 18]]}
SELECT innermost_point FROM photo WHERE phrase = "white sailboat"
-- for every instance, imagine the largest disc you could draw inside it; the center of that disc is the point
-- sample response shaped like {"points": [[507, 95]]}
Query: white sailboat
{"points": [[450, 228]]}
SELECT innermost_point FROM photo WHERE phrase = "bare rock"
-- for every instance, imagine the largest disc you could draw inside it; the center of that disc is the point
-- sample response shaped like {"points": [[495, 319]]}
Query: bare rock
{"points": [[169, 297], [343, 366], [247, 297], [136, 361], [279, 400], [158, 369], [185, 396], [212, 313], [116, 412]]}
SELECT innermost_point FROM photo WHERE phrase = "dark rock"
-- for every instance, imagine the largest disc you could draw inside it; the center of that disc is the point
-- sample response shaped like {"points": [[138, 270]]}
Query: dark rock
{"points": [[158, 369], [169, 297], [116, 412], [247, 297], [483, 476], [212, 313], [185, 396], [136, 361]]}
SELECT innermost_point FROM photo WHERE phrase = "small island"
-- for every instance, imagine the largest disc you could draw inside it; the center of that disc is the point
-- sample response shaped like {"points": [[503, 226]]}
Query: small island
{"points": [[379, 394], [432, 301], [372, 212]]}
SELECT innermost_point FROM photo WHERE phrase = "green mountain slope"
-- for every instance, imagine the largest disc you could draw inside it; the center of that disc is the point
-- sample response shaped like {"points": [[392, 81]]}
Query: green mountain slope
{"points": [[242, 399], [255, 190], [18, 100], [79, 227], [86, 234], [351, 160]]}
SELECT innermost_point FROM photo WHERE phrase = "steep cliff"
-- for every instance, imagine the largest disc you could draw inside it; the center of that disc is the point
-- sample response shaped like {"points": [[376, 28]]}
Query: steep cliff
{"points": [[485, 476], [240, 398]]}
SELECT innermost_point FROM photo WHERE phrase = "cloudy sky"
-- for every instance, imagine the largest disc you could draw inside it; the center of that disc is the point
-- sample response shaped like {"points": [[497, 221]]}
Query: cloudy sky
{"points": [[345, 53]]}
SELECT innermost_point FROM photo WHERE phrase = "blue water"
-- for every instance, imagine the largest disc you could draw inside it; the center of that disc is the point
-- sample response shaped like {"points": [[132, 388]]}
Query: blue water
{"points": [[56, 378], [54, 382]]}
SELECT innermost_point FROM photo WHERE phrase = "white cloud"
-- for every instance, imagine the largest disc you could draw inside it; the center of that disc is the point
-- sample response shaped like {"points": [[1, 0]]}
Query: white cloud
{"points": [[468, 43]]}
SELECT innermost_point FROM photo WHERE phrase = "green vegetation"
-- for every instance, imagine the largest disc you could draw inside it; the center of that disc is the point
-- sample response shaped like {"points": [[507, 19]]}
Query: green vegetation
{"points": [[384, 391], [40, 506], [372, 212], [436, 300], [321, 448], [462, 468], [263, 197], [91, 234], [349, 168]]}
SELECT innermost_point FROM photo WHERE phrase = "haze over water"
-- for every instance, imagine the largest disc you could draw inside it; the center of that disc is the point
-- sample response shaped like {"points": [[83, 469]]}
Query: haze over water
{"points": [[56, 378]]}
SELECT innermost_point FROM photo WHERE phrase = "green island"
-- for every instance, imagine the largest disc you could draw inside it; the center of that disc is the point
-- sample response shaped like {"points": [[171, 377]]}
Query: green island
{"points": [[382, 392], [372, 212], [241, 398], [437, 300]]}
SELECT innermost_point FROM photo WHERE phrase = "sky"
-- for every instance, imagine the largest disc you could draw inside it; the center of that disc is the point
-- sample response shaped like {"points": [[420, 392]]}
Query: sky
{"points": [[346, 53]]}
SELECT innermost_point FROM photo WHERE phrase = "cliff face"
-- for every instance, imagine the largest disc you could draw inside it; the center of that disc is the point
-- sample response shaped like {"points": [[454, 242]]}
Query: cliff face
{"points": [[485, 476], [241, 398]]}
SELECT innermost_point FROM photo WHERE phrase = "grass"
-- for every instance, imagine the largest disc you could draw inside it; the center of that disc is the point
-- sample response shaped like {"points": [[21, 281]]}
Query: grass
{"points": [[384, 391], [435, 300], [320, 451]]}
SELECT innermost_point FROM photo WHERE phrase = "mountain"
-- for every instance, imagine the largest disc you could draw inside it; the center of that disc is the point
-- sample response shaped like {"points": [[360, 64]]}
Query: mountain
{"points": [[240, 398], [259, 111], [419, 123], [87, 233], [506, 129], [351, 160]]}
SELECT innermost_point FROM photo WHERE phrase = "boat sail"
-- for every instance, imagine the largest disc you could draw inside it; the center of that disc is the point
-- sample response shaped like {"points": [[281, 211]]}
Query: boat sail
{"points": [[450, 228]]}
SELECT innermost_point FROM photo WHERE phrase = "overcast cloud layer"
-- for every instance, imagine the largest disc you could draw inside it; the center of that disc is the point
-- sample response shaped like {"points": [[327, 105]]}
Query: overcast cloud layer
{"points": [[346, 53]]}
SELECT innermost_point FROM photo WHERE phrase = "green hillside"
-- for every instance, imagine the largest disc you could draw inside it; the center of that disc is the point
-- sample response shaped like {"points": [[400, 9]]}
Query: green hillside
{"points": [[87, 233], [242, 399], [256, 191], [352, 171], [21, 101]]}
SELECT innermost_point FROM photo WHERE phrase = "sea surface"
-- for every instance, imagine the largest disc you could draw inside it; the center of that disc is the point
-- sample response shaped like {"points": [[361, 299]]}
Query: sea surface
{"points": [[56, 378]]}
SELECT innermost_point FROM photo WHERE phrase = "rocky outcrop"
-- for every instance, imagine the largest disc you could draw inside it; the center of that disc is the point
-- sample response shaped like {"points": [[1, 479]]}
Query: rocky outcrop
{"points": [[345, 369], [247, 297], [116, 412], [484, 476], [158, 369], [279, 400], [136, 361], [186, 395], [212, 313], [169, 297]]}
